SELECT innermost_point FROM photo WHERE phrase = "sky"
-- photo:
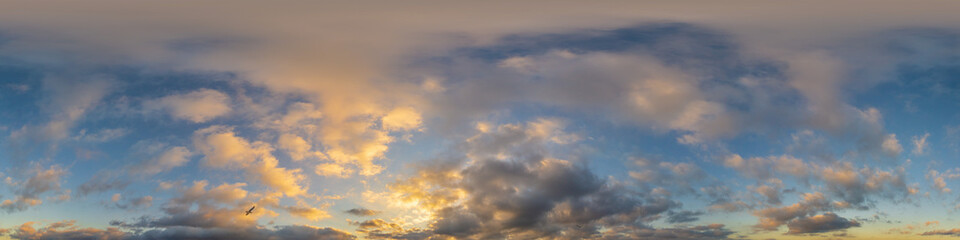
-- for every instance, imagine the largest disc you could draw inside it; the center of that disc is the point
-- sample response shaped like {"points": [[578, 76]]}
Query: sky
{"points": [[479, 120]]}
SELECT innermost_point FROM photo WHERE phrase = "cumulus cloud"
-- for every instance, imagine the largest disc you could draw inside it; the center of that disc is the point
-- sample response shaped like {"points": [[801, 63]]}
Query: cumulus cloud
{"points": [[891, 146], [401, 119], [296, 147], [198, 106], [222, 148], [203, 211], [826, 222], [774, 217], [508, 184], [938, 181], [853, 185], [772, 191]]}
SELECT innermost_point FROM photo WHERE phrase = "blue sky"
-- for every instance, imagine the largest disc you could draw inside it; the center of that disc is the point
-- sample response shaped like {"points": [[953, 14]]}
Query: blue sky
{"points": [[430, 120]]}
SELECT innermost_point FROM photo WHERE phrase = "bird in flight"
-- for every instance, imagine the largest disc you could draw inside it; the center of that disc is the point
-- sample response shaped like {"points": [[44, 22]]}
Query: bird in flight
{"points": [[248, 212]]}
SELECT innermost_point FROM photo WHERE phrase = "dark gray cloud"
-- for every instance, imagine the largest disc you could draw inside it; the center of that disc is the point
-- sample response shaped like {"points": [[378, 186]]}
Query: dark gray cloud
{"points": [[826, 222], [362, 212], [515, 186], [952, 232], [134, 203], [712, 231], [683, 216]]}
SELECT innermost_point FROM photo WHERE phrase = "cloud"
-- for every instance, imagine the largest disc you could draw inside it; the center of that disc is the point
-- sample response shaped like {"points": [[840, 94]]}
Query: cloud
{"points": [[508, 184], [134, 203], [684, 216], [307, 212], [296, 147], [381, 229], [223, 193], [689, 81], [201, 210], [938, 181], [676, 176], [770, 191], [28, 192], [826, 222], [332, 170], [171, 158], [723, 199], [951, 232], [765, 168], [103, 181], [712, 231], [198, 206], [65, 230], [103, 135], [841, 179], [71, 97], [774, 217], [197, 106], [401, 119], [632, 86], [362, 212], [68, 230], [920, 144], [891, 146], [223, 149], [855, 185], [280, 232]]}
